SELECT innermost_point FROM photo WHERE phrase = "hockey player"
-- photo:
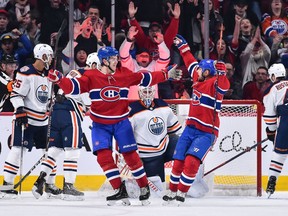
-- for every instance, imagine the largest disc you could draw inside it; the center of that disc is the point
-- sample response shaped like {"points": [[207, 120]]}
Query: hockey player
{"points": [[108, 90], [154, 123], [8, 66], [201, 131], [30, 98], [276, 113], [66, 134]]}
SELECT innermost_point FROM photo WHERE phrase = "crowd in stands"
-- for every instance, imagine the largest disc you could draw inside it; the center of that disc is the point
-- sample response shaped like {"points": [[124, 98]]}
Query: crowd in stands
{"points": [[248, 36]]}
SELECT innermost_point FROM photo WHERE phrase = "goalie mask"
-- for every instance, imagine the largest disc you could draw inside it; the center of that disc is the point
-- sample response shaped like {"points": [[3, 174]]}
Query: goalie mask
{"points": [[207, 64], [146, 94], [93, 59], [44, 53]]}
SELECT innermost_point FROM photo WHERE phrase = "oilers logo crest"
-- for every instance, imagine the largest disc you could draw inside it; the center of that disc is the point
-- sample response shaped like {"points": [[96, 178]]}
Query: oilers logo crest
{"points": [[156, 125], [42, 93], [280, 26]]}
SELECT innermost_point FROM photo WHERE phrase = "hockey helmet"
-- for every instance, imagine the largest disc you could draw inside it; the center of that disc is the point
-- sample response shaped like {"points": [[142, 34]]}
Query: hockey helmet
{"points": [[106, 53], [277, 69], [208, 64], [93, 59], [8, 59], [43, 49], [146, 94]]}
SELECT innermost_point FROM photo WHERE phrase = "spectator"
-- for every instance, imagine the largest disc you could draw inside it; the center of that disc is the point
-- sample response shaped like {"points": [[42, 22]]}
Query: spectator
{"points": [[9, 46], [31, 27], [4, 20], [143, 60], [235, 90], [256, 54], [255, 89], [22, 8]]}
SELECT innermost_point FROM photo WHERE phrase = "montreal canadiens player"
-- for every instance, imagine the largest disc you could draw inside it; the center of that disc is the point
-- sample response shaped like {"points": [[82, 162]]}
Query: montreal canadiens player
{"points": [[108, 90], [209, 86]]}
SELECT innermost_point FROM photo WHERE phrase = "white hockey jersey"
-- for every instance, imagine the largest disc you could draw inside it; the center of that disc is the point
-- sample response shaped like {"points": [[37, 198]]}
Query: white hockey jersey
{"points": [[32, 90], [276, 95], [152, 126]]}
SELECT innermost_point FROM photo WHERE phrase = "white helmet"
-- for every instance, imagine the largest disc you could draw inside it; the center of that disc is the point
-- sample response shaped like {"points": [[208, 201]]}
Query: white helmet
{"points": [[43, 49], [277, 69], [93, 58], [146, 94]]}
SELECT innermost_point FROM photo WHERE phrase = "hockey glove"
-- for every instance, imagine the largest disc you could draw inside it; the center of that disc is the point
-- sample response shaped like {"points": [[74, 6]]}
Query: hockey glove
{"points": [[220, 67], [181, 43], [172, 73], [270, 134], [10, 86], [21, 117], [55, 76]]}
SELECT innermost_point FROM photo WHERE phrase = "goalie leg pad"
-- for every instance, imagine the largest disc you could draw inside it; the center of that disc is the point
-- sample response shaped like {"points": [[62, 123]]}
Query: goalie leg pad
{"points": [[191, 166], [134, 162], [106, 161]]}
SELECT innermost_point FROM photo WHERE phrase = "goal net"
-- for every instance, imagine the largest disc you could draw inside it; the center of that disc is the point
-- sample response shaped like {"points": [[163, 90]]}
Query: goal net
{"points": [[240, 127]]}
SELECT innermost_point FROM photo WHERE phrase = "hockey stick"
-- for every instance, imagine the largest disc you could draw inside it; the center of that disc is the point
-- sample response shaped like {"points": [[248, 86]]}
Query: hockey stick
{"points": [[10, 187], [236, 156], [60, 31], [21, 156]]}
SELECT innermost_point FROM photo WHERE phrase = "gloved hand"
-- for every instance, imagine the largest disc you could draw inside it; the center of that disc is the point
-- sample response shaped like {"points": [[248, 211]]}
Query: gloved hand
{"points": [[172, 73], [21, 117], [181, 43], [55, 76], [270, 134], [220, 67], [10, 86]]}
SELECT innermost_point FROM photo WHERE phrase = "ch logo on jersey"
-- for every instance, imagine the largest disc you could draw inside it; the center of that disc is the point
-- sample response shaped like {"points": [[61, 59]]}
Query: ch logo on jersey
{"points": [[110, 93], [156, 125], [196, 98], [280, 26], [42, 93]]}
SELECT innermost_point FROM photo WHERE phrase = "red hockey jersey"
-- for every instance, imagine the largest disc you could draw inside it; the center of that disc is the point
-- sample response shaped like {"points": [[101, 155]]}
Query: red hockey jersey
{"points": [[109, 92], [202, 112]]}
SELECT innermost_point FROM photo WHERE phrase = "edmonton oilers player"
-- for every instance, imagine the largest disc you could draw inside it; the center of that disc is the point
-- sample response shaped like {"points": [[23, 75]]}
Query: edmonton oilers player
{"points": [[108, 90], [209, 86], [66, 135], [30, 98]]}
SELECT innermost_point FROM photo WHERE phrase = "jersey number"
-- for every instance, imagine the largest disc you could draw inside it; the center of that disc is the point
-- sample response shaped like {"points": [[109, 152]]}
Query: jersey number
{"points": [[17, 83]]}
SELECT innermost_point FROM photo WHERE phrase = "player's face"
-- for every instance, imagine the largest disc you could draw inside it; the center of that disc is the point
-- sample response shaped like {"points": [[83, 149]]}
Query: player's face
{"points": [[113, 61], [200, 74]]}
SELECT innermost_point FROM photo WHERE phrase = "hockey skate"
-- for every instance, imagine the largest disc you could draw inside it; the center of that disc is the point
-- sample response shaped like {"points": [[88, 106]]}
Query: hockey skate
{"points": [[70, 193], [180, 197], [271, 186], [52, 191], [120, 194], [144, 195], [9, 194], [169, 197], [38, 187]]}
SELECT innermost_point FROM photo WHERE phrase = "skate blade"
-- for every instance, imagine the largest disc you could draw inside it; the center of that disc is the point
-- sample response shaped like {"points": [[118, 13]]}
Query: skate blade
{"points": [[269, 195], [8, 196], [145, 202], [169, 203], [69, 197], [124, 201], [52, 196], [36, 194]]}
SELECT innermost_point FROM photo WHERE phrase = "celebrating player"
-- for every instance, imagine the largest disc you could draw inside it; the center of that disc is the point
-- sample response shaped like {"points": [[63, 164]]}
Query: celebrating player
{"points": [[30, 98], [108, 90], [66, 134], [276, 102], [201, 131]]}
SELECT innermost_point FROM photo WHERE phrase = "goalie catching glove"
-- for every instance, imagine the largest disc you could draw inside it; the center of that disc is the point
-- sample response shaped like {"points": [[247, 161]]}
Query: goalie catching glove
{"points": [[55, 76], [270, 134], [181, 43], [172, 73]]}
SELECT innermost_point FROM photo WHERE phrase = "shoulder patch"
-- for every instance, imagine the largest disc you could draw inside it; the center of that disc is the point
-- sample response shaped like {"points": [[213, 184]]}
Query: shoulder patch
{"points": [[24, 69]]}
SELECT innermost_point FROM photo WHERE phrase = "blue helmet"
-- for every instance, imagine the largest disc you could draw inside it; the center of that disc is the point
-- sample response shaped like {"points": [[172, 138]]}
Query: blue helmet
{"points": [[208, 64], [106, 53]]}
